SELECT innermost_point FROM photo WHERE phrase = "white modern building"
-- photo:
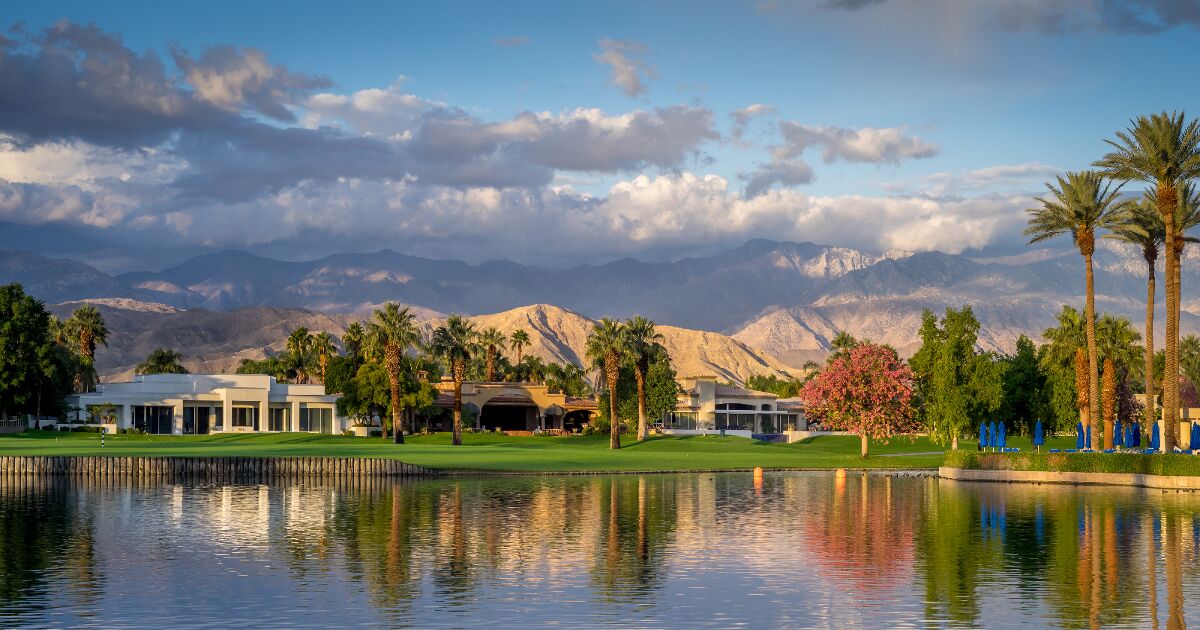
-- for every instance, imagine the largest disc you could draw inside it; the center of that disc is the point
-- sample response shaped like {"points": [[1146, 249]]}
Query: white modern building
{"points": [[706, 405], [197, 404]]}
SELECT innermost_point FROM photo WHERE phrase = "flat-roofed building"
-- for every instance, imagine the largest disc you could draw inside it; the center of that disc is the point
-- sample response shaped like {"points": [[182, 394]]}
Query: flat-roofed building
{"points": [[706, 405], [198, 404]]}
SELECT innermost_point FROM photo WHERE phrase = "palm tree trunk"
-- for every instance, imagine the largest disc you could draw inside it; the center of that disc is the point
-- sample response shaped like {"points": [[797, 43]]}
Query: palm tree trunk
{"points": [[491, 364], [863, 450], [1093, 380], [611, 369], [1149, 401], [1166, 206], [397, 432], [456, 440], [640, 374]]}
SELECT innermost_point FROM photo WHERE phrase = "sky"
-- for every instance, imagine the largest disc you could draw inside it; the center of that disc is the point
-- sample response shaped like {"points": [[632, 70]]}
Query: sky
{"points": [[552, 133]]}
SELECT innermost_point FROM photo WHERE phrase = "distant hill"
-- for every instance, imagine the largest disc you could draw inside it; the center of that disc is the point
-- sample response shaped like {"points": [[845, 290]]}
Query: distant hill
{"points": [[786, 300]]}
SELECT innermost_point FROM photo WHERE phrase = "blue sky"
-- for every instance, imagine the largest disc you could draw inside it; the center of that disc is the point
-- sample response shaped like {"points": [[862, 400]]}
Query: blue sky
{"points": [[882, 123]]}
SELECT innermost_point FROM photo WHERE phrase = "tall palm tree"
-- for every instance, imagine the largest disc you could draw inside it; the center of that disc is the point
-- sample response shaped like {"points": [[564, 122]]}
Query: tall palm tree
{"points": [[1187, 217], [455, 341], [87, 325], [354, 339], [1145, 230], [299, 345], [519, 339], [1162, 150], [643, 347], [324, 348], [1080, 204], [492, 341], [606, 348], [391, 332], [162, 361]]}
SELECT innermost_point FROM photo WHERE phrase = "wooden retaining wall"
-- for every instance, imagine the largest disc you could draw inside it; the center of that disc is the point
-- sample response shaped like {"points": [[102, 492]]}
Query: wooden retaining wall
{"points": [[209, 468]]}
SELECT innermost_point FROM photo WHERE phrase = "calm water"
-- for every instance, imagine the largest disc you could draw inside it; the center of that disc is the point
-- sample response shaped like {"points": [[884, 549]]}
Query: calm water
{"points": [[798, 550]]}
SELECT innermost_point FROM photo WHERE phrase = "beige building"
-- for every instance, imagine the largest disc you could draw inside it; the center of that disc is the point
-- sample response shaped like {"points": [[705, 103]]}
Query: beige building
{"points": [[518, 407], [706, 405], [197, 404]]}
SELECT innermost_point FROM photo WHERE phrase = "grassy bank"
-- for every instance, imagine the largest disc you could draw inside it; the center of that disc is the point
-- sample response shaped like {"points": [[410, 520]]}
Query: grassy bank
{"points": [[498, 453], [1157, 464]]}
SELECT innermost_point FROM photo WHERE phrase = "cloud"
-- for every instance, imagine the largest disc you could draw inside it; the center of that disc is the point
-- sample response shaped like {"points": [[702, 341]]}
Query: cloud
{"points": [[1054, 17], [629, 72], [511, 42], [873, 145], [1001, 177], [849, 5], [787, 172], [235, 79], [742, 117]]}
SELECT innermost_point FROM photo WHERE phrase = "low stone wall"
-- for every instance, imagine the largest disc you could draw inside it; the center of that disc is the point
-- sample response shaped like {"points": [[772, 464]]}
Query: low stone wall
{"points": [[1165, 482], [209, 468]]}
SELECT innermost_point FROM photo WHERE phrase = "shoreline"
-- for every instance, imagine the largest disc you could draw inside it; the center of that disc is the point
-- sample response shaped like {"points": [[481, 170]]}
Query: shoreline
{"points": [[1135, 480]]}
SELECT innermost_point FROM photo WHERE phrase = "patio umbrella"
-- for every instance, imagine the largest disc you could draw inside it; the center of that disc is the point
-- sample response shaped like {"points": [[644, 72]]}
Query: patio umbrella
{"points": [[1039, 434], [1154, 441], [1118, 434], [1003, 439], [1195, 437], [983, 435], [1088, 441], [995, 435], [1135, 430], [1079, 437]]}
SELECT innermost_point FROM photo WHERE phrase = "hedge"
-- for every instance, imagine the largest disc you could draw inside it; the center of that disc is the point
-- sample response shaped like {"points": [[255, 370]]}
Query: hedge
{"points": [[1156, 464]]}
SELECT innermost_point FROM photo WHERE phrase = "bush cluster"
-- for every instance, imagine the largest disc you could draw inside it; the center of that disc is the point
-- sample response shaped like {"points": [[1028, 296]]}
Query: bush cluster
{"points": [[1155, 464]]}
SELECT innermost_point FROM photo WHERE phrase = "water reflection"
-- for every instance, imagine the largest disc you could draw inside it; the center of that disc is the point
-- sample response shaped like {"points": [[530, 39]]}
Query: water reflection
{"points": [[664, 550]]}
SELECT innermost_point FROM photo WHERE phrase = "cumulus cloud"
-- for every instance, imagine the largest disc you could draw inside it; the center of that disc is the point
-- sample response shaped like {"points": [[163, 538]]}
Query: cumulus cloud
{"points": [[628, 71], [1028, 175], [235, 79], [742, 117], [888, 145]]}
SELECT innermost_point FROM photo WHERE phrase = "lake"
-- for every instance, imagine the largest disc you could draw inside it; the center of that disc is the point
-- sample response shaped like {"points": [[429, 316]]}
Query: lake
{"points": [[689, 550]]}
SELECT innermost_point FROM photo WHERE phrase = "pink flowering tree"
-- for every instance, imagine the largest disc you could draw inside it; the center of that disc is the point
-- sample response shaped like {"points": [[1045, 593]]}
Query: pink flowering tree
{"points": [[867, 391]]}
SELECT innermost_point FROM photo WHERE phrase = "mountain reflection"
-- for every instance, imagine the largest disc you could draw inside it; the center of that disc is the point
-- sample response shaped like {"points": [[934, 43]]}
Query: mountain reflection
{"points": [[794, 549]]}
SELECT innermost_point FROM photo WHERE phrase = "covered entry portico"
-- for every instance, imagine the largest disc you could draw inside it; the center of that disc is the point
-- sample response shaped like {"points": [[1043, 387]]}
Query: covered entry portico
{"points": [[519, 407]]}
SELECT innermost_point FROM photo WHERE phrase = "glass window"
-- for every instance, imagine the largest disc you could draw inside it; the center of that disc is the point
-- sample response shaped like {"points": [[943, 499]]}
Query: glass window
{"points": [[245, 417], [316, 419], [279, 419]]}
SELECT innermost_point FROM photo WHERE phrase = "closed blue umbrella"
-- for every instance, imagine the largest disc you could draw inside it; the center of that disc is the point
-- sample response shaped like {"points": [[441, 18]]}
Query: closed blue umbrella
{"points": [[1088, 441], [983, 435], [1130, 442], [1039, 435], [1195, 437], [1136, 431], [1079, 436], [1154, 440], [1118, 434], [995, 435], [1003, 439]]}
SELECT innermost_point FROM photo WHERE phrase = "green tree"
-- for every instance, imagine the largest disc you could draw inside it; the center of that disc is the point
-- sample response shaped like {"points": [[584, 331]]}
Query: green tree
{"points": [[519, 340], [1024, 389], [661, 392], [324, 348], [87, 326], [772, 383], [271, 366], [842, 343], [354, 339], [299, 346], [25, 349], [643, 347], [390, 334], [492, 341], [568, 379], [606, 348], [162, 361], [455, 342], [1162, 150], [1080, 204], [1145, 230], [957, 385]]}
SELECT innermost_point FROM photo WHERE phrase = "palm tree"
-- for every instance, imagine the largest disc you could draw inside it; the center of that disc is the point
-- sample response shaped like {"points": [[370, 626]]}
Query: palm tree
{"points": [[606, 348], [1080, 204], [518, 341], [643, 347], [354, 339], [492, 341], [1162, 150], [324, 348], [299, 345], [162, 361], [391, 332], [1145, 229], [87, 325], [455, 341]]}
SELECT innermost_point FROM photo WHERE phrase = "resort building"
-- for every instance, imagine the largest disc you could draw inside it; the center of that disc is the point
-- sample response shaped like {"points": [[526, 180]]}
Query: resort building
{"points": [[706, 405], [196, 404], [518, 407]]}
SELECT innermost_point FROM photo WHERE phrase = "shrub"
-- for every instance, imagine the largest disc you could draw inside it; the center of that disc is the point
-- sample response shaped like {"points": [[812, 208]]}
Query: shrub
{"points": [[86, 429], [1155, 464]]}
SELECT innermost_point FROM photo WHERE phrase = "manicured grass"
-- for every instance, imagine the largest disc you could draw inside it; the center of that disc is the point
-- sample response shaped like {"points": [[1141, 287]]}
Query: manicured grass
{"points": [[1154, 464], [490, 452]]}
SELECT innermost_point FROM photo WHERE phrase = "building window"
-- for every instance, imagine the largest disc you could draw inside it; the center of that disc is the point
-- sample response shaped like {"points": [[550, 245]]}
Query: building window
{"points": [[278, 420], [316, 419], [157, 420], [246, 417], [197, 420]]}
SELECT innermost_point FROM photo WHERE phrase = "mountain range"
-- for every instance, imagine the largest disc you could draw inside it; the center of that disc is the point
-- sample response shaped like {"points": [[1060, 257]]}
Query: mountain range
{"points": [[770, 305]]}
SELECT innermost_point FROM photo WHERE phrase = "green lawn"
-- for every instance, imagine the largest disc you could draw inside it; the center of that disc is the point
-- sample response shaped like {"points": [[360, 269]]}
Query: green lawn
{"points": [[488, 452]]}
